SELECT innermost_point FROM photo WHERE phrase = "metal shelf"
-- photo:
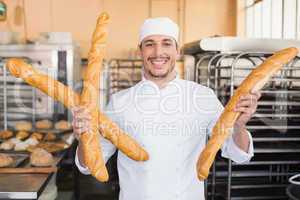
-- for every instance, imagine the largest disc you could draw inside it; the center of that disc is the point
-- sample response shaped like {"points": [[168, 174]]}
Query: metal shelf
{"points": [[123, 73], [275, 126]]}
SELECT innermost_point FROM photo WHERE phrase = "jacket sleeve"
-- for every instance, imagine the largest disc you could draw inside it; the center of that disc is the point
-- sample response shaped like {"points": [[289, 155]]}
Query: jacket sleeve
{"points": [[108, 149], [230, 149]]}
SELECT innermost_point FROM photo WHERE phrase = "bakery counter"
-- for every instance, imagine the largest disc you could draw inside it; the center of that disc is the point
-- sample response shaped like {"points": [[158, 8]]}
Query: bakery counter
{"points": [[30, 185], [23, 186], [40, 182]]}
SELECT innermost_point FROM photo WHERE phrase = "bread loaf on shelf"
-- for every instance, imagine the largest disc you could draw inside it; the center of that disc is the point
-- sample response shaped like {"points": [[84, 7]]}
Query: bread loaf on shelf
{"points": [[41, 158], [44, 124], [23, 126], [5, 134], [5, 160], [62, 125]]}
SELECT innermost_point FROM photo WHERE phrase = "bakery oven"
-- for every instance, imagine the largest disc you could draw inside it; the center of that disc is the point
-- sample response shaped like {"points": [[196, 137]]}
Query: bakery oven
{"points": [[19, 101]]}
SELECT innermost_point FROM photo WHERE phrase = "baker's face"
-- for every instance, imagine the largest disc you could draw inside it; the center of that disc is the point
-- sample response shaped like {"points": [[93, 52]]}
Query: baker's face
{"points": [[159, 54]]}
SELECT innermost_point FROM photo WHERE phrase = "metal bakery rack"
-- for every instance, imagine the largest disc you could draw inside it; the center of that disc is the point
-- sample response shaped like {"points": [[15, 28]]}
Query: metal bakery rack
{"points": [[124, 73], [275, 127]]}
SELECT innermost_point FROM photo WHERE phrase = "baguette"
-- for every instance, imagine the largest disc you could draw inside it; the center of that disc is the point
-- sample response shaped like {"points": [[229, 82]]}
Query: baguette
{"points": [[253, 82], [92, 152], [69, 98]]}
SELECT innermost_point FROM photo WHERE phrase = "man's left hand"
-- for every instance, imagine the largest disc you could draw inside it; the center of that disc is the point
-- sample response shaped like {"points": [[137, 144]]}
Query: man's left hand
{"points": [[247, 105]]}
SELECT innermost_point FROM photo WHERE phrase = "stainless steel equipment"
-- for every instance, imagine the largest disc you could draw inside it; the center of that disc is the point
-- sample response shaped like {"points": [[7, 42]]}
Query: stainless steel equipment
{"points": [[275, 127], [30, 186], [22, 102]]}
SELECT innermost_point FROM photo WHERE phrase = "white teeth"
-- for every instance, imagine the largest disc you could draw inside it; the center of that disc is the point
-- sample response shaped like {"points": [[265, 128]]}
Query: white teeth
{"points": [[158, 61]]}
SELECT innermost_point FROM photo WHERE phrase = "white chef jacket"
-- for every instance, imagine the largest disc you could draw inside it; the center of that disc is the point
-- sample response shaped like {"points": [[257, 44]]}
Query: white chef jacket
{"points": [[171, 124]]}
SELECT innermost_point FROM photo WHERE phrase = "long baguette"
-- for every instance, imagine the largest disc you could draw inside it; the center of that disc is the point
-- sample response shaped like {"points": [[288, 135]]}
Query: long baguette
{"points": [[69, 98], [253, 82], [92, 152]]}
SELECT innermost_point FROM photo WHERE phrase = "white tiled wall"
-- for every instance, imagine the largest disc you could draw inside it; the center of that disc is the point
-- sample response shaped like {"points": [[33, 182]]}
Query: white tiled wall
{"points": [[273, 19]]}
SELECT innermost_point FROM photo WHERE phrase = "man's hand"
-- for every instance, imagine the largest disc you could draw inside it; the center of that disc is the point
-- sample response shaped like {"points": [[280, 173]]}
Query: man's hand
{"points": [[247, 106], [81, 124], [81, 121]]}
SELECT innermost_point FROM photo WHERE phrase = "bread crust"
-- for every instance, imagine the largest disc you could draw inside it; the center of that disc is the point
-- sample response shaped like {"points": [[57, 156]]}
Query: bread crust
{"points": [[23, 126], [5, 160], [5, 134], [41, 158], [62, 125], [44, 124], [92, 152]]}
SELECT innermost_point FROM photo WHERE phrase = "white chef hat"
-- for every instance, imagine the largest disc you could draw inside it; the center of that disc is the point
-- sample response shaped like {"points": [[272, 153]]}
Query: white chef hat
{"points": [[159, 26]]}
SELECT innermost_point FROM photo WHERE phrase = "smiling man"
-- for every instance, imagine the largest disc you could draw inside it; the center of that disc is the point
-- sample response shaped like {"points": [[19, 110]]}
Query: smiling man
{"points": [[170, 117], [159, 49]]}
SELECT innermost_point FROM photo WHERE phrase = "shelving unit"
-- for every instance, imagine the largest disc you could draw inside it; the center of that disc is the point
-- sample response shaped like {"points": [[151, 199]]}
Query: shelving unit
{"points": [[275, 127]]}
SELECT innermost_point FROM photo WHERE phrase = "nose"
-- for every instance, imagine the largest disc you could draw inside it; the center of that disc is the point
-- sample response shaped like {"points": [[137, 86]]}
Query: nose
{"points": [[158, 50]]}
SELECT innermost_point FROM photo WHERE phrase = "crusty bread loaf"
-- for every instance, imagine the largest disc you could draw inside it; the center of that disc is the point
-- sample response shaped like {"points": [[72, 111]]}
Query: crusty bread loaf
{"points": [[253, 82], [44, 124], [36, 135], [62, 125], [41, 158], [7, 145], [5, 134], [49, 137], [69, 98], [23, 126], [92, 152], [5, 160], [21, 135]]}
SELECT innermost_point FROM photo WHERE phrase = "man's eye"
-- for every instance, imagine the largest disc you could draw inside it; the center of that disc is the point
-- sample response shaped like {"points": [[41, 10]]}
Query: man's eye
{"points": [[148, 44], [167, 44]]}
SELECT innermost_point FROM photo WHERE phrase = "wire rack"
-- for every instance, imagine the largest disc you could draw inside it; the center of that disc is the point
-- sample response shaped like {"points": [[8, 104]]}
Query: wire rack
{"points": [[123, 73], [275, 127]]}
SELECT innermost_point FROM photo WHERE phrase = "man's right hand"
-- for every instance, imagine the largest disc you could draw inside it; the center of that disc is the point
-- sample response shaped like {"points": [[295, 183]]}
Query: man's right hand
{"points": [[81, 121], [81, 124]]}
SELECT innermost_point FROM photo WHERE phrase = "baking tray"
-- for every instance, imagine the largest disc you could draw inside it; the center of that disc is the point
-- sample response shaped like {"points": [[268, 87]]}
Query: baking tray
{"points": [[58, 133], [28, 152], [60, 138], [19, 159]]}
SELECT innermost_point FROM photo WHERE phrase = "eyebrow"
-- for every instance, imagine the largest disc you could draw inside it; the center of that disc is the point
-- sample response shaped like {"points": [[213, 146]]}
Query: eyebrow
{"points": [[167, 40], [164, 40], [149, 40]]}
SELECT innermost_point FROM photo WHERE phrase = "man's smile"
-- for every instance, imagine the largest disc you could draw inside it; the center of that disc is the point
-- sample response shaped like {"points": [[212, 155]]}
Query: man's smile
{"points": [[159, 62]]}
